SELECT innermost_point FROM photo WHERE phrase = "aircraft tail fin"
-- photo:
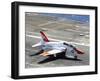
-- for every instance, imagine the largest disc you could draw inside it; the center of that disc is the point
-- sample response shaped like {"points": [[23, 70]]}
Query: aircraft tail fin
{"points": [[44, 37]]}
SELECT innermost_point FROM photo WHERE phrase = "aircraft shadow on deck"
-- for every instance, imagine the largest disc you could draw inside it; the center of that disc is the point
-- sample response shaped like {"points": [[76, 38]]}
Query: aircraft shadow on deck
{"points": [[59, 56]]}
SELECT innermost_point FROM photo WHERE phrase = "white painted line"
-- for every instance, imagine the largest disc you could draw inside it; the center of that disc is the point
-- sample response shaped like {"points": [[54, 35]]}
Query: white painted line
{"points": [[71, 30], [39, 34], [49, 22], [58, 40]]}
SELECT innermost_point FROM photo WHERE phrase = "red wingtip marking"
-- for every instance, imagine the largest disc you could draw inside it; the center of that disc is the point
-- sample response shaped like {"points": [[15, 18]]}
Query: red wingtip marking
{"points": [[44, 37], [79, 52]]}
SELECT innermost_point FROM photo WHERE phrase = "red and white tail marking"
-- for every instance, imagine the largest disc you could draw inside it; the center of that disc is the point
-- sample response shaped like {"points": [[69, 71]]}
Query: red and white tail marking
{"points": [[44, 36]]}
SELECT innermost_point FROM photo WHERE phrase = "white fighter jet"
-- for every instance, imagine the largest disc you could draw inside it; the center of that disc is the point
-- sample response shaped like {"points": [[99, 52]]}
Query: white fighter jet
{"points": [[56, 48]]}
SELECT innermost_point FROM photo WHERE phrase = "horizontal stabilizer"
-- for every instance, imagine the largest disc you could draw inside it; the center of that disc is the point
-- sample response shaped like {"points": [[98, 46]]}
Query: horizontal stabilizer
{"points": [[36, 45]]}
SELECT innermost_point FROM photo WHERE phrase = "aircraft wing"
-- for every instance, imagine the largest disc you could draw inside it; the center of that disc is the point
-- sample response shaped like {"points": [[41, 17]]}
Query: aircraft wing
{"points": [[51, 52], [54, 51]]}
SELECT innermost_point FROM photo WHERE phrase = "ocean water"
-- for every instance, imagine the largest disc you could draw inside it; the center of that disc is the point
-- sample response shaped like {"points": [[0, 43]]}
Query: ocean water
{"points": [[79, 18]]}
